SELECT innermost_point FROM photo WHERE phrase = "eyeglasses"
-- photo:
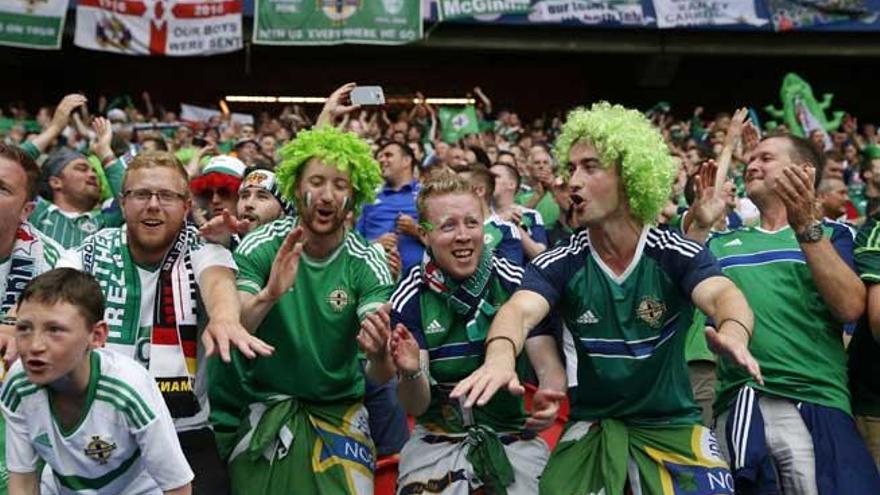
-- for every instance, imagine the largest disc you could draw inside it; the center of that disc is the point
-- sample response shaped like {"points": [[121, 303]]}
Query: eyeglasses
{"points": [[164, 196]]}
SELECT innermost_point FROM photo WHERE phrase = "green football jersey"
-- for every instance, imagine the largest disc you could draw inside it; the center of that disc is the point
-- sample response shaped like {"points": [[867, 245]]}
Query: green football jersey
{"points": [[453, 350], [313, 326], [69, 229], [547, 207], [628, 330], [796, 340], [503, 238], [864, 351]]}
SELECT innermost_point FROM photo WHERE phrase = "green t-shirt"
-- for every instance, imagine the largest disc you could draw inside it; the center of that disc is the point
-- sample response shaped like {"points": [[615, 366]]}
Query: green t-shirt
{"points": [[454, 352], [695, 346], [547, 207], [628, 330], [69, 229], [796, 340], [864, 351], [313, 327]]}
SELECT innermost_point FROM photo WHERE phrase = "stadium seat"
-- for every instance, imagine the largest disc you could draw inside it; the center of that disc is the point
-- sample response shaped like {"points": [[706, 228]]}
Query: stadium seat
{"points": [[385, 481]]}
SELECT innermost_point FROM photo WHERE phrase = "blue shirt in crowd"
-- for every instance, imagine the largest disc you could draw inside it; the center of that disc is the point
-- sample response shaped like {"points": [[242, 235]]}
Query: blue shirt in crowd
{"points": [[381, 217]]}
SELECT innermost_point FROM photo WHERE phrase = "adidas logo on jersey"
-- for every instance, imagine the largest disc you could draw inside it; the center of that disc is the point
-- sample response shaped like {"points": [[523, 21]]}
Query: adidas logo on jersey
{"points": [[43, 439], [735, 242], [434, 327], [588, 318]]}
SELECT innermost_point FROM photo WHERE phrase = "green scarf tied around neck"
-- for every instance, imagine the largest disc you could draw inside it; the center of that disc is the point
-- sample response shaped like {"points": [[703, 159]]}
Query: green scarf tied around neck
{"points": [[467, 297]]}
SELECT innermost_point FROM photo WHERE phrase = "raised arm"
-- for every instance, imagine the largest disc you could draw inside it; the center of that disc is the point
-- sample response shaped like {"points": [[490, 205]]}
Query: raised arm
{"points": [[835, 280], [254, 308], [337, 105], [60, 119], [487, 103], [512, 323]]}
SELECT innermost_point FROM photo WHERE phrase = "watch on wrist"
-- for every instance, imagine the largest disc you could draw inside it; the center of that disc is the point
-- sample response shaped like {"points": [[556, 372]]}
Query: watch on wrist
{"points": [[813, 233]]}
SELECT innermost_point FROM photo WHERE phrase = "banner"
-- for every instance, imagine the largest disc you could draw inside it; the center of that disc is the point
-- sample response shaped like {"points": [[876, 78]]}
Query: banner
{"points": [[627, 12], [451, 9], [159, 27], [195, 114], [32, 24], [683, 13], [790, 14], [457, 122], [332, 22]]}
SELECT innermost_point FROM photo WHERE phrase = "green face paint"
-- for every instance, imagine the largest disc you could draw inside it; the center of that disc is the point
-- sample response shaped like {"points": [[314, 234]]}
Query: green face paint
{"points": [[428, 226]]}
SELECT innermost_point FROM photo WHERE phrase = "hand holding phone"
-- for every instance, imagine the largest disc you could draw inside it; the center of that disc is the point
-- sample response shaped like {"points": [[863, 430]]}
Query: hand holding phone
{"points": [[367, 95]]}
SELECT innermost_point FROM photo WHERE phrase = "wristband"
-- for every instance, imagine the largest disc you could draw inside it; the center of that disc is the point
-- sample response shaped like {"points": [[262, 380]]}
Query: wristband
{"points": [[502, 337], [741, 324], [408, 377]]}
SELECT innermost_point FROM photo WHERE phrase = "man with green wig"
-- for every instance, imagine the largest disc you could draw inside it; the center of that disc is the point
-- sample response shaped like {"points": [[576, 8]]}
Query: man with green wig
{"points": [[307, 285], [625, 290]]}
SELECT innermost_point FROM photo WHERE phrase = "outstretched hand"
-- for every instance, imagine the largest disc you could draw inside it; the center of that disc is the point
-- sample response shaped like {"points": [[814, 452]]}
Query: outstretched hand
{"points": [[481, 385], [220, 335], [221, 228], [736, 348]]}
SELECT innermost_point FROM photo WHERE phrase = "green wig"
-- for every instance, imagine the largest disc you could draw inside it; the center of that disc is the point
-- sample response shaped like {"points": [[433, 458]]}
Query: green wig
{"points": [[344, 150], [624, 137]]}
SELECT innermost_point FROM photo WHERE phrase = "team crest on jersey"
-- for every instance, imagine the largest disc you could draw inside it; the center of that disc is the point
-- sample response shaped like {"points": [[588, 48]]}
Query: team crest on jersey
{"points": [[99, 450], [651, 311], [338, 300], [88, 227]]}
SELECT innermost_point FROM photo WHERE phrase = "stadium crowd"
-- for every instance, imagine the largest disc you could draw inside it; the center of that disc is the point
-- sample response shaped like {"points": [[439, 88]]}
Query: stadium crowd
{"points": [[281, 306]]}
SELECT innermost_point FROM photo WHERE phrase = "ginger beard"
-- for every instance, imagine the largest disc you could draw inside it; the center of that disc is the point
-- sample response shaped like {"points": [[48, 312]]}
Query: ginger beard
{"points": [[324, 198]]}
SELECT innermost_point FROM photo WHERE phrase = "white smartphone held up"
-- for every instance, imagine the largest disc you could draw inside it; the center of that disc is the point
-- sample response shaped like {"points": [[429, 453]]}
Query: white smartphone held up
{"points": [[367, 95]]}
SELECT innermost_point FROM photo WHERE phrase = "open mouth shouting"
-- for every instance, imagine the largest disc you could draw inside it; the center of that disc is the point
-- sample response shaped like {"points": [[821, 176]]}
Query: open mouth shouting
{"points": [[463, 255], [152, 223], [36, 366], [325, 214], [578, 202], [250, 217]]}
